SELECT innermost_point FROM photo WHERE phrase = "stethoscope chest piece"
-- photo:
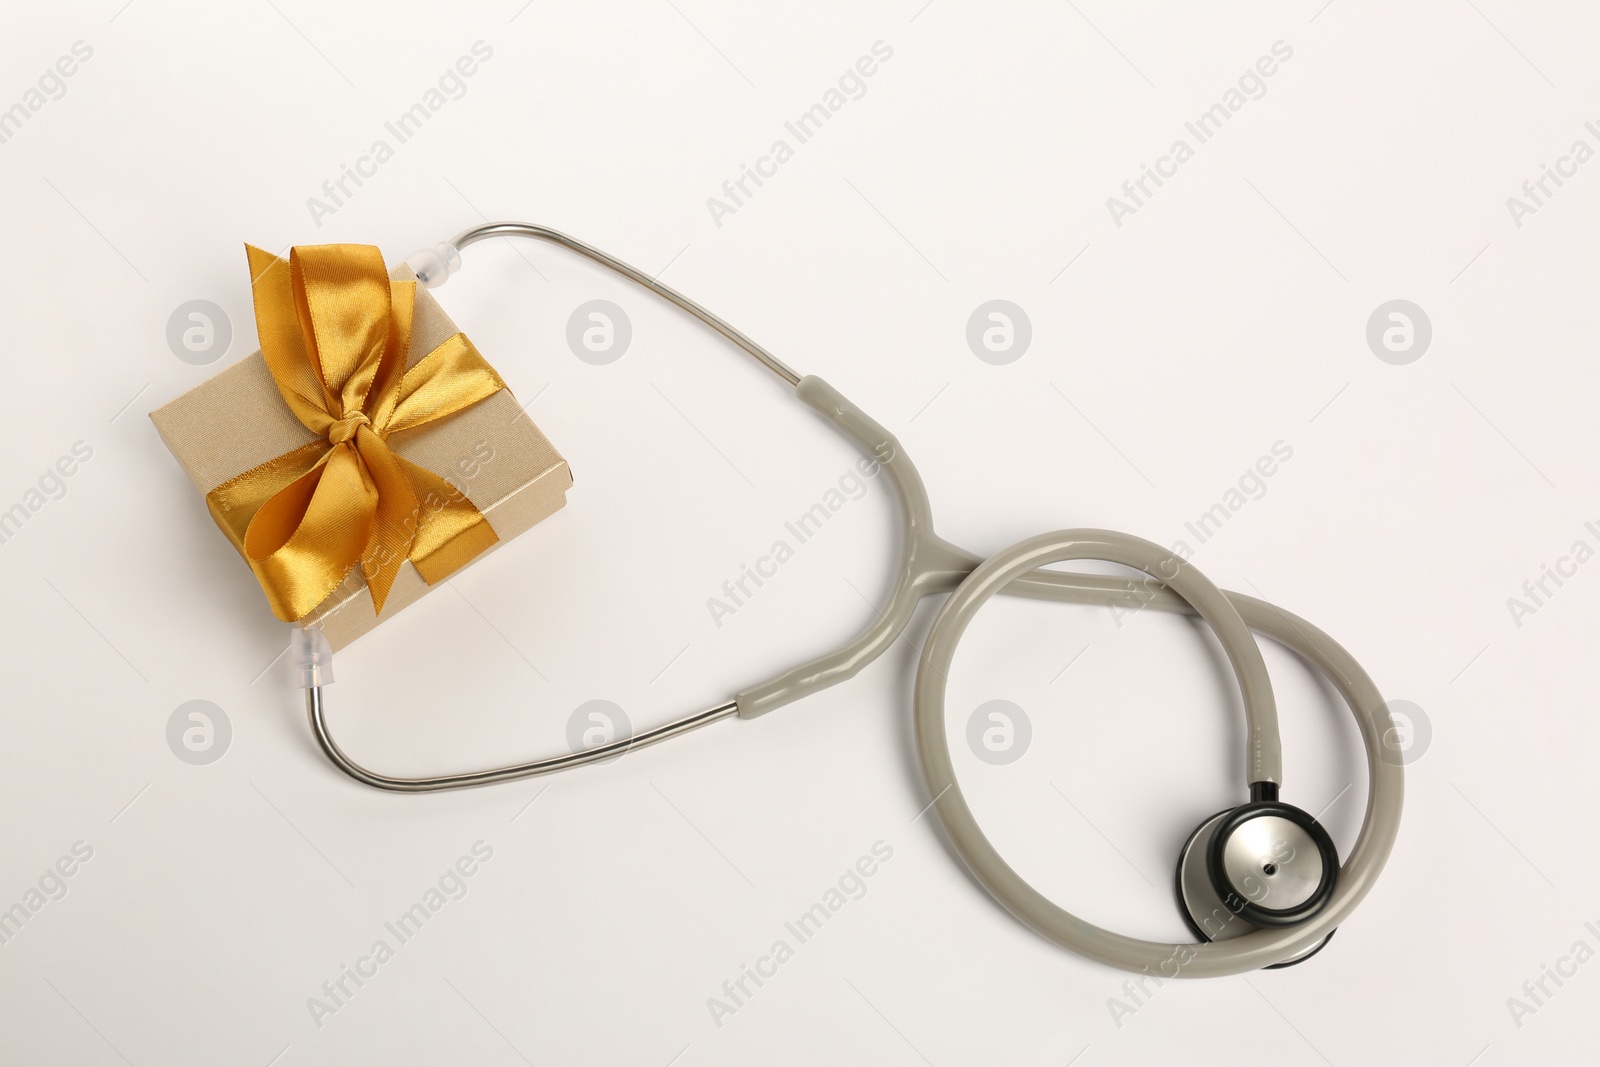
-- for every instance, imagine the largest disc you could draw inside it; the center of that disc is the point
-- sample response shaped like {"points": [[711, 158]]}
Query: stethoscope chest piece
{"points": [[1263, 864], [1260, 884]]}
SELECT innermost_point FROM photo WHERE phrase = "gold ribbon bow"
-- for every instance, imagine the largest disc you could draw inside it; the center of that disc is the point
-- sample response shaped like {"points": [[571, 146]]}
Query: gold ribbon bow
{"points": [[335, 333]]}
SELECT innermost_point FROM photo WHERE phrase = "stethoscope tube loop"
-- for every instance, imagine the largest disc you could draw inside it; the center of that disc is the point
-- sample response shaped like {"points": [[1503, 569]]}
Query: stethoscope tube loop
{"points": [[1250, 951], [929, 565]]}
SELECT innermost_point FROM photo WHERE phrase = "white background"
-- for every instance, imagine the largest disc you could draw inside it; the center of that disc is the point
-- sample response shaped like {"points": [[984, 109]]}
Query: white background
{"points": [[1168, 354]]}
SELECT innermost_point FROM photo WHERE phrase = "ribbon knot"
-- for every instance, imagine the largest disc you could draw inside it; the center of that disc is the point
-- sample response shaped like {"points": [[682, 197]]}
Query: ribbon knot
{"points": [[346, 428], [336, 335]]}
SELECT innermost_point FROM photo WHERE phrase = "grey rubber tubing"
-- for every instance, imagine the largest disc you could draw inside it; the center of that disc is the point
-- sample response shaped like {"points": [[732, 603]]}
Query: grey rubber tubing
{"points": [[929, 565], [1231, 616]]}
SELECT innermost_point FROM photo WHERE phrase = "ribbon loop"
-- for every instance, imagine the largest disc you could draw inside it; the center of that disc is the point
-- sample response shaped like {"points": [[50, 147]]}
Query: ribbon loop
{"points": [[335, 333]]}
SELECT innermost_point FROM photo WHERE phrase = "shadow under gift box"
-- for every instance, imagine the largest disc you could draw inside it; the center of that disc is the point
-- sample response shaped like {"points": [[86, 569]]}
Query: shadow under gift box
{"points": [[491, 451]]}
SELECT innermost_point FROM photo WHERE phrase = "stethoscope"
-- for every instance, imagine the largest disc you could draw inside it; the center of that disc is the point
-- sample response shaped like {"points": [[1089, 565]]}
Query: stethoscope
{"points": [[1259, 884]]}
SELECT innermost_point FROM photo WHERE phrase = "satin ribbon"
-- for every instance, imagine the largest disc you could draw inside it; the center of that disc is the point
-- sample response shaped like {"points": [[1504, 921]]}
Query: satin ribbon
{"points": [[335, 333]]}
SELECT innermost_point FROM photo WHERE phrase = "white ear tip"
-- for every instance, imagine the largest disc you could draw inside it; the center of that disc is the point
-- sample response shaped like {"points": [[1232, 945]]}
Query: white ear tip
{"points": [[433, 265], [311, 657]]}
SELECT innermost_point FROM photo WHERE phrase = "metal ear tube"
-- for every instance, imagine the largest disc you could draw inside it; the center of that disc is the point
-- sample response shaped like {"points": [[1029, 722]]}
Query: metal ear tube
{"points": [[1260, 885]]}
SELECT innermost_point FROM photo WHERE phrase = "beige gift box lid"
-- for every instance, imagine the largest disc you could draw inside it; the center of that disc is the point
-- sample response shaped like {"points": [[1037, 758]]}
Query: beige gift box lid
{"points": [[492, 452]]}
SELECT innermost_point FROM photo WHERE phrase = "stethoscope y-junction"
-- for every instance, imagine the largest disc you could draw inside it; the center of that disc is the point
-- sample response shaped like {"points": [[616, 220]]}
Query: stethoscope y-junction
{"points": [[1260, 884]]}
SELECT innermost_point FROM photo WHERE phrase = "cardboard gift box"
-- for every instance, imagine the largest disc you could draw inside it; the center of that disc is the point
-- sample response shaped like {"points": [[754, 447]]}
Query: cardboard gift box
{"points": [[491, 452]]}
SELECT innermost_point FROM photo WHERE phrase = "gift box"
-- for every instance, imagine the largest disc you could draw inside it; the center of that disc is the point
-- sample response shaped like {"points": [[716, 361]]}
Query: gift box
{"points": [[366, 427]]}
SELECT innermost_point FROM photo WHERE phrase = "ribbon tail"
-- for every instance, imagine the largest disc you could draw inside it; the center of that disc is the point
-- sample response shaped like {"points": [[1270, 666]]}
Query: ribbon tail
{"points": [[335, 334], [452, 532], [305, 539], [398, 517]]}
